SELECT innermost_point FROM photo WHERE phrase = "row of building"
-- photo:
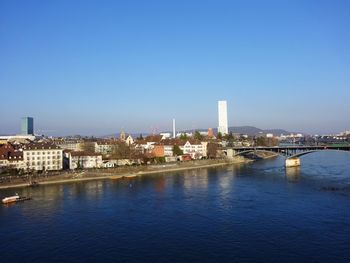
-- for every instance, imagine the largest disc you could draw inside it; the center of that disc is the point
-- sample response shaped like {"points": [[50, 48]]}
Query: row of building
{"points": [[31, 156], [61, 153]]}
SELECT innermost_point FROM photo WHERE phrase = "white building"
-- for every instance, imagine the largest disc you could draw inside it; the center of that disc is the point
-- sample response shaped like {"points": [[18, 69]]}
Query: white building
{"points": [[71, 145], [117, 162], [168, 150], [223, 123], [84, 160], [20, 137], [104, 147], [165, 135], [108, 164], [129, 140], [188, 134], [197, 150], [43, 156]]}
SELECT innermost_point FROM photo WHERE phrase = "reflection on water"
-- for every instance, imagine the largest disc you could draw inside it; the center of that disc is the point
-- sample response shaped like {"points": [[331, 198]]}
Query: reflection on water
{"points": [[206, 215], [195, 179], [293, 174]]}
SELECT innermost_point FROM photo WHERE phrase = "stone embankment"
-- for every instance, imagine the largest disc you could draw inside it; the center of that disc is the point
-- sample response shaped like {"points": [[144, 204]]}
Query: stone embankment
{"points": [[114, 173]]}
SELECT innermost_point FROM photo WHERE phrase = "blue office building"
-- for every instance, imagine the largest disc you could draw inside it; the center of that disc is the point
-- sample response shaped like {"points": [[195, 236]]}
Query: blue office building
{"points": [[27, 126]]}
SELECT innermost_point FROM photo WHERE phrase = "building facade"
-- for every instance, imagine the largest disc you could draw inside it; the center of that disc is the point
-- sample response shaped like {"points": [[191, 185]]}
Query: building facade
{"points": [[223, 123], [158, 150], [83, 160], [105, 147], [42, 156], [73, 145], [195, 149], [27, 126], [10, 157]]}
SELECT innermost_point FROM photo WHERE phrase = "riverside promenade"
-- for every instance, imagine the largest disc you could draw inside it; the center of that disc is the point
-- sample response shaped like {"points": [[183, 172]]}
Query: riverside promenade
{"points": [[113, 173]]}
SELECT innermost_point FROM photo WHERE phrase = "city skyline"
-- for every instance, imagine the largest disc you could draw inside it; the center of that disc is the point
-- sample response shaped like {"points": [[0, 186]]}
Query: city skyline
{"points": [[97, 69], [26, 127], [175, 131]]}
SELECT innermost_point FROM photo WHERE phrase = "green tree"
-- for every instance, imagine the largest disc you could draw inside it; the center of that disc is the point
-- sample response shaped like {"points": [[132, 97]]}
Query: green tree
{"points": [[229, 137], [183, 136], [198, 136], [219, 136], [177, 151], [159, 159]]}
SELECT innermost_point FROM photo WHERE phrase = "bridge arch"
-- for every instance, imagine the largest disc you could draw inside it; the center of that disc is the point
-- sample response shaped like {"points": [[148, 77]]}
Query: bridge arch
{"points": [[286, 155], [313, 151], [257, 150]]}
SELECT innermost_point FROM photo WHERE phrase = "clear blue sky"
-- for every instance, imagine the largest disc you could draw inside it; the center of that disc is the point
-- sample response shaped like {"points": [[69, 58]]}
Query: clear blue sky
{"points": [[96, 67]]}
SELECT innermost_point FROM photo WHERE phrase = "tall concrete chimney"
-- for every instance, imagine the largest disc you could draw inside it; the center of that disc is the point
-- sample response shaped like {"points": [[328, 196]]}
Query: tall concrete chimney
{"points": [[174, 129]]}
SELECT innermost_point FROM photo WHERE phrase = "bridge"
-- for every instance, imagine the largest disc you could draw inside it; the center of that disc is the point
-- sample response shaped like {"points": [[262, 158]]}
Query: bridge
{"points": [[291, 153]]}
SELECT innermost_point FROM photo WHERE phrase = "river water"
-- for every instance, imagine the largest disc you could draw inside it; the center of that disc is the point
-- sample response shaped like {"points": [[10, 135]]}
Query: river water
{"points": [[249, 213]]}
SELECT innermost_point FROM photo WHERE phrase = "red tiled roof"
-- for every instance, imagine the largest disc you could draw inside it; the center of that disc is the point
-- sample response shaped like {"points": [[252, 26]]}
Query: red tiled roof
{"points": [[8, 152]]}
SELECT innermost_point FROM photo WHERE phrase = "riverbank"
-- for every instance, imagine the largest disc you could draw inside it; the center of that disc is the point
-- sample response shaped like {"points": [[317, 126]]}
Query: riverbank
{"points": [[119, 173]]}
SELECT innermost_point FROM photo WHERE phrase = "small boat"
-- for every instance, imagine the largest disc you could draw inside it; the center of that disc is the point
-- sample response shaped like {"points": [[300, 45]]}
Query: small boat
{"points": [[10, 199], [14, 198]]}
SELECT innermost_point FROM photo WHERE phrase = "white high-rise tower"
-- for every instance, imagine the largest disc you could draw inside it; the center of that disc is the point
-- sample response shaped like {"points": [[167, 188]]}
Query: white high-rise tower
{"points": [[223, 125]]}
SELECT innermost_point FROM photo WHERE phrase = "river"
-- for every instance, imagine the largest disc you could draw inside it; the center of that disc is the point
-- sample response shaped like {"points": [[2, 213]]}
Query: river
{"points": [[246, 213]]}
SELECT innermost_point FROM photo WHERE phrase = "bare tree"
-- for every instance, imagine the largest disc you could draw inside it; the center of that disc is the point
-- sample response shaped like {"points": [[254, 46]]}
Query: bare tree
{"points": [[212, 149]]}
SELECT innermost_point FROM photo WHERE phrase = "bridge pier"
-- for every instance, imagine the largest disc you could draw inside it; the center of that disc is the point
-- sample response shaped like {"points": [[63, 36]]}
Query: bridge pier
{"points": [[293, 162]]}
